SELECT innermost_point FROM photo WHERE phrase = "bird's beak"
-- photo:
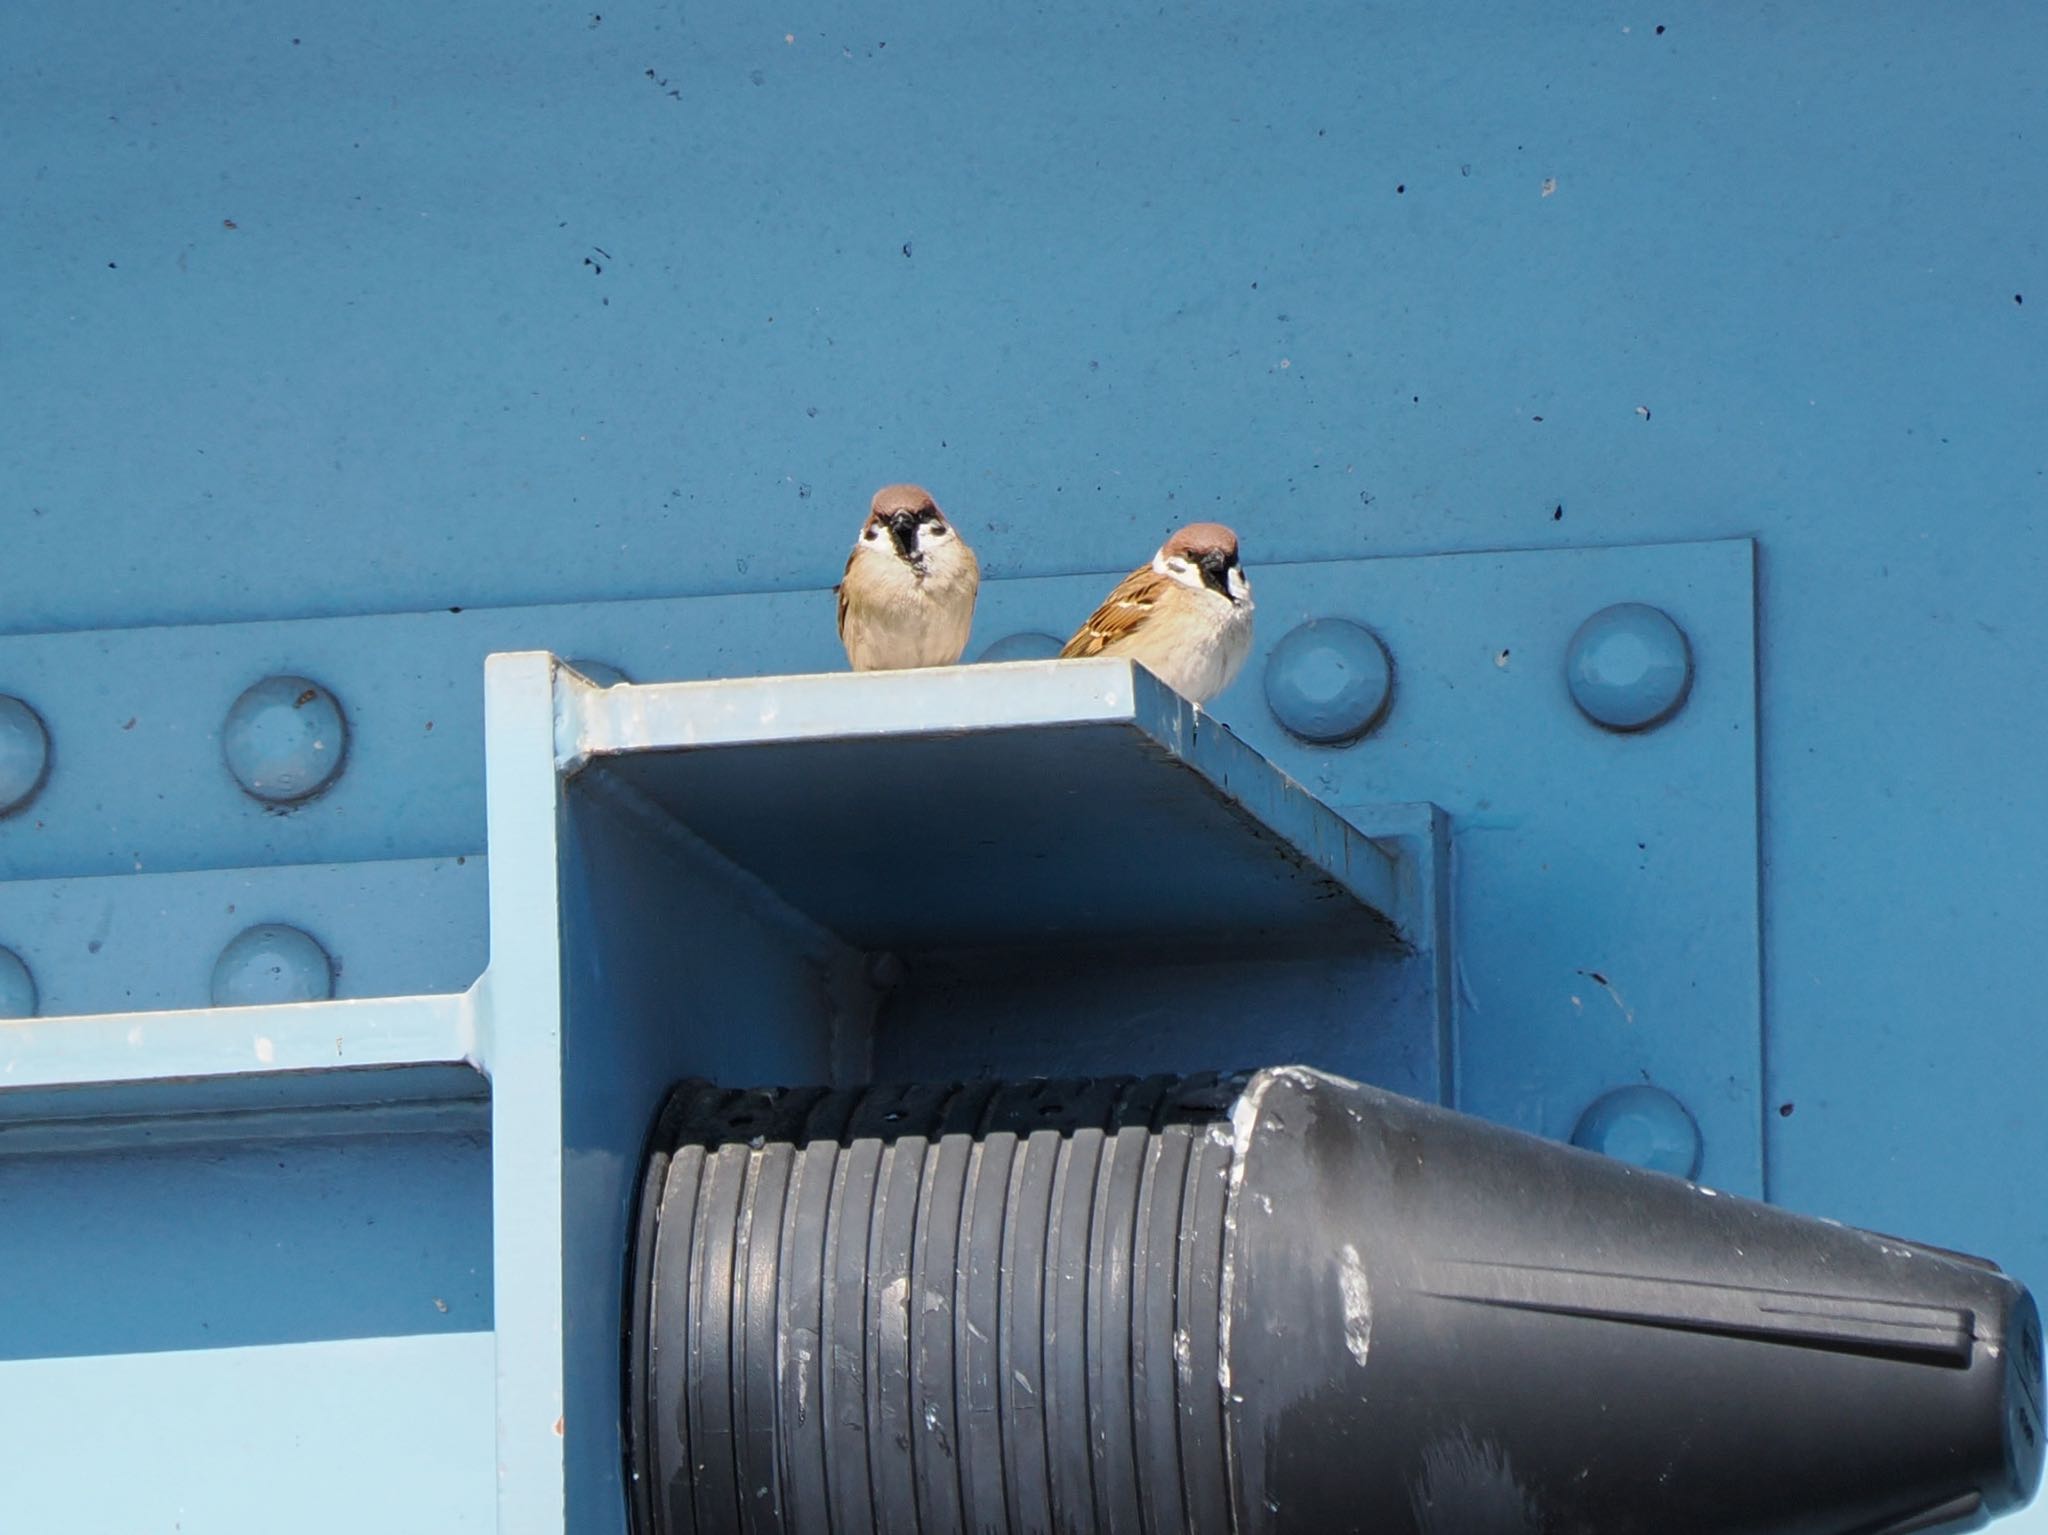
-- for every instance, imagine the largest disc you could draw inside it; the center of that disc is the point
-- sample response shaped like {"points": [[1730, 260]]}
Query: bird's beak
{"points": [[903, 529], [1216, 571]]}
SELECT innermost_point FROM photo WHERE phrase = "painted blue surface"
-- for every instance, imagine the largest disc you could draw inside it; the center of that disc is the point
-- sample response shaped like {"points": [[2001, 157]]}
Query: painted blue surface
{"points": [[386, 1433], [304, 1240], [531, 312], [1186, 832], [114, 1055]]}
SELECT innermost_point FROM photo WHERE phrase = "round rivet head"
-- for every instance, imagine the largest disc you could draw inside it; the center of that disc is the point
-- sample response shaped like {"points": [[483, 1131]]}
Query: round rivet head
{"points": [[603, 673], [1329, 680], [1629, 667], [17, 987], [1031, 645], [1643, 1126], [24, 754], [272, 963], [285, 739]]}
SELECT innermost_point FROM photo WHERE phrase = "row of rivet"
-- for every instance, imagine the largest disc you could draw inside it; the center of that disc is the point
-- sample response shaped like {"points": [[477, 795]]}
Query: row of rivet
{"points": [[1330, 680], [267, 963], [284, 739], [1627, 668]]}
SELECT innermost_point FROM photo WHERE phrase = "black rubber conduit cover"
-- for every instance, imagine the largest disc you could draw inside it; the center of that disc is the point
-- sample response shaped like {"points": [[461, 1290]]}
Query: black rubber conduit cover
{"points": [[1278, 1302]]}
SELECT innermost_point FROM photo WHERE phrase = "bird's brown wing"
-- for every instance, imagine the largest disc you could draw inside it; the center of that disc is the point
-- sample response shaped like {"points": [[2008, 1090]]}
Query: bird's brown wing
{"points": [[840, 590], [1121, 612]]}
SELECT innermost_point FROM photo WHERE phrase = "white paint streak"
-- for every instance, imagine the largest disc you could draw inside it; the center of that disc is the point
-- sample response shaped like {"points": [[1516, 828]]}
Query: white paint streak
{"points": [[1244, 1120], [1357, 1300], [1246, 1116], [1306, 1078], [266, 1050]]}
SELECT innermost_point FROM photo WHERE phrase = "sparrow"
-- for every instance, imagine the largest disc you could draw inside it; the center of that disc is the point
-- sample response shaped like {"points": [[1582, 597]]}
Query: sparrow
{"points": [[907, 598], [1186, 617]]}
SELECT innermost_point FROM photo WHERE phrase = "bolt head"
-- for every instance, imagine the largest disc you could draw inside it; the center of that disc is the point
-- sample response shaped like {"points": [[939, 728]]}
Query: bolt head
{"points": [[285, 740], [1629, 667], [1027, 645], [603, 673], [1643, 1126], [18, 997], [1329, 681], [24, 754], [272, 963]]}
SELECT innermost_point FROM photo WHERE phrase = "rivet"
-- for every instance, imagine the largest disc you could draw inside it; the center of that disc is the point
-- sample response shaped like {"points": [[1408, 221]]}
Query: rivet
{"points": [[24, 754], [272, 963], [1329, 680], [603, 673], [285, 739], [1643, 1126], [1029, 645], [1629, 667], [17, 987]]}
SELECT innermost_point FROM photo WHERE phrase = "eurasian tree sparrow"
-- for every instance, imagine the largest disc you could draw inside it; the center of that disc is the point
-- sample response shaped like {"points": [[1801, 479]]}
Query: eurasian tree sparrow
{"points": [[907, 598], [1186, 617]]}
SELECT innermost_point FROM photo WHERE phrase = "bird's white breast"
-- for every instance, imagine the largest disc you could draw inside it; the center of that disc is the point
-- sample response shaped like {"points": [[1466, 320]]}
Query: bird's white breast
{"points": [[895, 619], [1195, 641]]}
